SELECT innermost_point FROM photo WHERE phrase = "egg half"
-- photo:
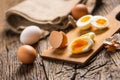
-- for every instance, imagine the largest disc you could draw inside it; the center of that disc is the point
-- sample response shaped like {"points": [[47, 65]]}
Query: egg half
{"points": [[100, 22], [84, 22], [90, 34], [80, 45]]}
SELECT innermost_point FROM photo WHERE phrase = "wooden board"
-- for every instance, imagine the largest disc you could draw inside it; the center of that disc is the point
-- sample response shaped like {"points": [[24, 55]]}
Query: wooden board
{"points": [[101, 35]]}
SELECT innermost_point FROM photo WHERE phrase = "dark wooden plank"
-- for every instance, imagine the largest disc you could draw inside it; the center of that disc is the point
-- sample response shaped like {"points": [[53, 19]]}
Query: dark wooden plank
{"points": [[56, 70], [10, 67], [99, 69], [105, 65]]}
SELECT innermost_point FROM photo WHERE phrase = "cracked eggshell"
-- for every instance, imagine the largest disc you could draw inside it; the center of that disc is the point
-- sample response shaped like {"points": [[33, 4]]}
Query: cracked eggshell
{"points": [[58, 39], [30, 35]]}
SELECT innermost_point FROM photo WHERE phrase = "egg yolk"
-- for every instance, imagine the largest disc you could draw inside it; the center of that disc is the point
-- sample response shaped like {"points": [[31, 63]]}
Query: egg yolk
{"points": [[79, 45], [101, 21], [85, 19]]}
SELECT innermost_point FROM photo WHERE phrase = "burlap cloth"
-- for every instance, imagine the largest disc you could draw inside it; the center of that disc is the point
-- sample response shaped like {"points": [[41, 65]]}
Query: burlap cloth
{"points": [[47, 14]]}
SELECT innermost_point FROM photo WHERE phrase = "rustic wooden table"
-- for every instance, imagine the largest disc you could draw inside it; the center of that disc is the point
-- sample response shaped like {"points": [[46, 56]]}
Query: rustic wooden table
{"points": [[102, 67]]}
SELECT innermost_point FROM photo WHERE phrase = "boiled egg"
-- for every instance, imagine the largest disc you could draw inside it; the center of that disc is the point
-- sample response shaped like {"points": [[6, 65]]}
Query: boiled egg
{"points": [[90, 34], [81, 45], [100, 22], [84, 22]]}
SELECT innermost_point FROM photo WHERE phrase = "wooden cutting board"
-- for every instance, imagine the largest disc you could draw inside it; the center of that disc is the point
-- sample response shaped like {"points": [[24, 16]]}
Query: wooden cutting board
{"points": [[101, 35]]}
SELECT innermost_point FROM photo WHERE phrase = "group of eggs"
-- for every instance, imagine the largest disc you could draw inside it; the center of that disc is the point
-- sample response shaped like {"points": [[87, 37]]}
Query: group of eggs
{"points": [[88, 21], [31, 34], [84, 21], [79, 45]]}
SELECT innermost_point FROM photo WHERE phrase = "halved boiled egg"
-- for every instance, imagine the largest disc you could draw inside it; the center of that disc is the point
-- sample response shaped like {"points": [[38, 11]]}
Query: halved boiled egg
{"points": [[84, 22], [80, 45], [100, 22], [90, 34]]}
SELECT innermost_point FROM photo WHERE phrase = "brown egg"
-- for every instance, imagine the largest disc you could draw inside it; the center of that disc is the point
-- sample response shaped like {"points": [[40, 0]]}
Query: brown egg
{"points": [[58, 39], [79, 10], [26, 54]]}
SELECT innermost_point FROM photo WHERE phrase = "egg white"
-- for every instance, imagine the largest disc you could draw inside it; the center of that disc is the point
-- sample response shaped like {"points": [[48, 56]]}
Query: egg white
{"points": [[84, 25], [90, 34], [87, 48], [94, 24]]}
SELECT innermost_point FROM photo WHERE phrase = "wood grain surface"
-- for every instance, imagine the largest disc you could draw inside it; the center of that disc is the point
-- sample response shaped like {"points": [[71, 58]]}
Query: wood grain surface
{"points": [[104, 66]]}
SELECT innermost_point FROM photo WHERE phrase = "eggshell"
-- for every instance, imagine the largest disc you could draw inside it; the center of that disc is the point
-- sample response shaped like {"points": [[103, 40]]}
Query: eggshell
{"points": [[58, 39], [26, 54], [30, 35], [64, 41], [79, 10]]}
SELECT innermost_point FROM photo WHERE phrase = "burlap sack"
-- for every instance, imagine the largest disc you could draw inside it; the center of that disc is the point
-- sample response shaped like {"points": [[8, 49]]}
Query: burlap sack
{"points": [[47, 14]]}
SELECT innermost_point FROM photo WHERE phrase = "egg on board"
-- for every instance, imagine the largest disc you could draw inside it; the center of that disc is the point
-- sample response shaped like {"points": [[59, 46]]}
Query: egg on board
{"points": [[82, 44], [26, 54], [31, 35], [84, 22], [90, 34], [100, 22]]}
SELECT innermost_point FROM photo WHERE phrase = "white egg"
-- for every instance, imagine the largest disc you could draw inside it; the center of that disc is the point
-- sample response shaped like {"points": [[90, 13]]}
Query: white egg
{"points": [[100, 22], [84, 22], [30, 35], [80, 45]]}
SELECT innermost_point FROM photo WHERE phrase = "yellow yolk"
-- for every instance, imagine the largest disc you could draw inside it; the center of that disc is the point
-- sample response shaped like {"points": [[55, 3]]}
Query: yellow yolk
{"points": [[79, 45], [82, 44], [84, 19], [84, 22], [101, 22]]}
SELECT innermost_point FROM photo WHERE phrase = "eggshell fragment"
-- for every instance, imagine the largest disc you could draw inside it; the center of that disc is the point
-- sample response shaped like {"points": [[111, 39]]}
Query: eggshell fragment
{"points": [[31, 35], [26, 54], [64, 41], [58, 39]]}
